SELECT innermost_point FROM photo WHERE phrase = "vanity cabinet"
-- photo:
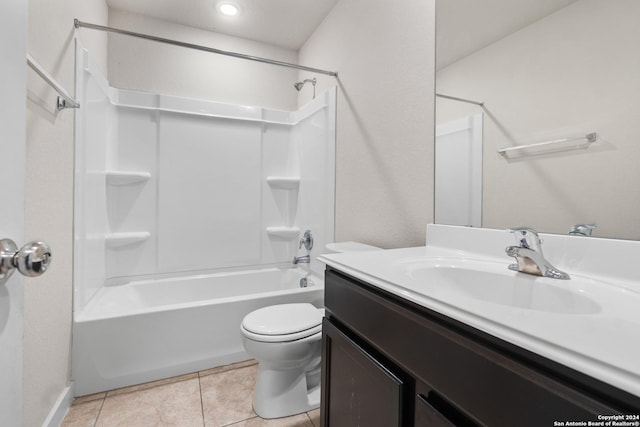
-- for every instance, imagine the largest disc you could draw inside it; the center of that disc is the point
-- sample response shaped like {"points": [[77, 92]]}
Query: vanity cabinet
{"points": [[390, 362], [367, 393]]}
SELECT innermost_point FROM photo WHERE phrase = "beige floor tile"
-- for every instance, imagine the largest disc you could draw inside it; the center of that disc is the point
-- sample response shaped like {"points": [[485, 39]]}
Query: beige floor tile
{"points": [[301, 420], [225, 368], [151, 384], [315, 417], [82, 414], [175, 404], [227, 396]]}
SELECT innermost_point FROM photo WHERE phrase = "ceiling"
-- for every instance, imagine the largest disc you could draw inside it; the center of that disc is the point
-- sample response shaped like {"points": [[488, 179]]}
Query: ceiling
{"points": [[463, 26], [284, 23]]}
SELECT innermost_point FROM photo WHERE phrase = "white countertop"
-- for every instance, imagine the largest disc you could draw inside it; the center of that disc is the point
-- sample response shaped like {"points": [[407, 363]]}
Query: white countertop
{"points": [[603, 342]]}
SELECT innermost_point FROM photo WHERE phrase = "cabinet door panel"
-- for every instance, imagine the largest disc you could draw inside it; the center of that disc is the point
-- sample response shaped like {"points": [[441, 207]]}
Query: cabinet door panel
{"points": [[433, 410], [359, 390], [428, 416]]}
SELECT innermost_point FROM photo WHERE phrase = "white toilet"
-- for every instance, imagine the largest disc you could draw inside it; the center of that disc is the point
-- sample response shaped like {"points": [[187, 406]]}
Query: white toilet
{"points": [[286, 339]]}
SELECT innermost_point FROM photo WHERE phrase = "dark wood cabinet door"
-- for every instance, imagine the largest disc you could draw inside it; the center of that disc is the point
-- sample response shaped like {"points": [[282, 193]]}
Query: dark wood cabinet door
{"points": [[357, 389], [428, 416], [434, 410]]}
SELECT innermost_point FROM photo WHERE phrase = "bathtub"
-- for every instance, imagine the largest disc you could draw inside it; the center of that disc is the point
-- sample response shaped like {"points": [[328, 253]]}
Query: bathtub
{"points": [[153, 329]]}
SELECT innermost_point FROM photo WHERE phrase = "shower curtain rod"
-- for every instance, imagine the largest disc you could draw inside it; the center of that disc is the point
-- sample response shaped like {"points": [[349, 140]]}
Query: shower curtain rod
{"points": [[453, 98], [80, 24], [64, 99]]}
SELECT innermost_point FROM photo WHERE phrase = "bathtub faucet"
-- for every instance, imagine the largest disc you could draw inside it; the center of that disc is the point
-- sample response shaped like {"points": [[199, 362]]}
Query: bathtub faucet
{"points": [[306, 259]]}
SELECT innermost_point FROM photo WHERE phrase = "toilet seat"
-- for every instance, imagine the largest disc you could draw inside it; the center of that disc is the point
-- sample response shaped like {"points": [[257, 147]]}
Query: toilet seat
{"points": [[283, 322]]}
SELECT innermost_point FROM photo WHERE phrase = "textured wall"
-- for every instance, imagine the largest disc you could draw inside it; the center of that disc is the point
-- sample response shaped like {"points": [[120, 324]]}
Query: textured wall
{"points": [[49, 198], [384, 157]]}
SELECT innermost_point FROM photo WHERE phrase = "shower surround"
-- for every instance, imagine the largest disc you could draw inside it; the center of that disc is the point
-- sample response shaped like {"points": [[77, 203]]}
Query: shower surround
{"points": [[187, 216]]}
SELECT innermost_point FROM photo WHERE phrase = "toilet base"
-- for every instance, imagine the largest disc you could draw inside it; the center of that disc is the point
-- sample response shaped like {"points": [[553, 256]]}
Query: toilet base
{"points": [[281, 393]]}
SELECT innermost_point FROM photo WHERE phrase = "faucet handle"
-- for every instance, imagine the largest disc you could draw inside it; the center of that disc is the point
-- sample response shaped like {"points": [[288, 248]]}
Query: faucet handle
{"points": [[306, 241], [524, 235], [582, 229]]}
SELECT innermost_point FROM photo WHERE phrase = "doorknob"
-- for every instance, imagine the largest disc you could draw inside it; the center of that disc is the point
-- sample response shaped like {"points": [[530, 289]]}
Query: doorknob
{"points": [[31, 260]]}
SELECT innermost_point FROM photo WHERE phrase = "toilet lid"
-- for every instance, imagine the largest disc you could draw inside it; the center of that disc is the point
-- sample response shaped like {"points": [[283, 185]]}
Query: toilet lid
{"points": [[283, 319]]}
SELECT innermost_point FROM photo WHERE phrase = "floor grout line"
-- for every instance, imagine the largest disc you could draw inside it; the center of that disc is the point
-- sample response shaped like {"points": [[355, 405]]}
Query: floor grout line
{"points": [[204, 423], [95, 423]]}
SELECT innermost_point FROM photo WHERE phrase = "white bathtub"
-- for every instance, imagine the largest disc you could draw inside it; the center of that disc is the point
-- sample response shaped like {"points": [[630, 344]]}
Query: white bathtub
{"points": [[149, 330]]}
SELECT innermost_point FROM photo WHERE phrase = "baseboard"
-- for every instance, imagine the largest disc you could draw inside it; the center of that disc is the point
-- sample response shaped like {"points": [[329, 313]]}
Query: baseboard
{"points": [[60, 408]]}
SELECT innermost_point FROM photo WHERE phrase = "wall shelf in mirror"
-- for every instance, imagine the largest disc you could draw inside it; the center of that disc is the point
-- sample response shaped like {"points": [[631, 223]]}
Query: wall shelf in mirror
{"points": [[119, 178], [283, 233], [549, 146], [117, 240], [284, 182]]}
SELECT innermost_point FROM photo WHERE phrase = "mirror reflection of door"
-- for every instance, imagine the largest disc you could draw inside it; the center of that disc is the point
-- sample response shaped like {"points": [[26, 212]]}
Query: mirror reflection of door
{"points": [[458, 176]]}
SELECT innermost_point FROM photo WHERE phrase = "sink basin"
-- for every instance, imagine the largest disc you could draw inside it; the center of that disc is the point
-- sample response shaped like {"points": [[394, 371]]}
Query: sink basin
{"points": [[494, 283]]}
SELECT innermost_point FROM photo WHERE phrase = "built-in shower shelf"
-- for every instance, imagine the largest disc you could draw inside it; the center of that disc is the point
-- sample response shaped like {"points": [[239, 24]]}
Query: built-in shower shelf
{"points": [[284, 182], [283, 233], [117, 240], [119, 178]]}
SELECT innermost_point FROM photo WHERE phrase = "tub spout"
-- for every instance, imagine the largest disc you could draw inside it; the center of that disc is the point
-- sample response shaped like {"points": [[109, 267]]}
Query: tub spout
{"points": [[306, 259]]}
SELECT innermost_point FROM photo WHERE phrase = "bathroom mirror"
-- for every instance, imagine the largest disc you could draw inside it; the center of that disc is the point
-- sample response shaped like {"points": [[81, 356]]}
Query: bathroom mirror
{"points": [[547, 70]]}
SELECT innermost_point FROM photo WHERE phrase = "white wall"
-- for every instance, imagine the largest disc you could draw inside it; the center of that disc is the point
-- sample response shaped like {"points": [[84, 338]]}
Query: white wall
{"points": [[49, 199], [148, 66], [384, 161], [574, 72]]}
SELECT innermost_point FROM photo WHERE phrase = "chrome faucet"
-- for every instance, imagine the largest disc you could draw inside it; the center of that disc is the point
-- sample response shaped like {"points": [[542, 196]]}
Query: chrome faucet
{"points": [[529, 257], [306, 259], [306, 241], [582, 230]]}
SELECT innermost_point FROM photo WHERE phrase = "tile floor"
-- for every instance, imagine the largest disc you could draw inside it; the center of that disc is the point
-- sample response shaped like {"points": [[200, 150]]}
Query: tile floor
{"points": [[213, 398]]}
